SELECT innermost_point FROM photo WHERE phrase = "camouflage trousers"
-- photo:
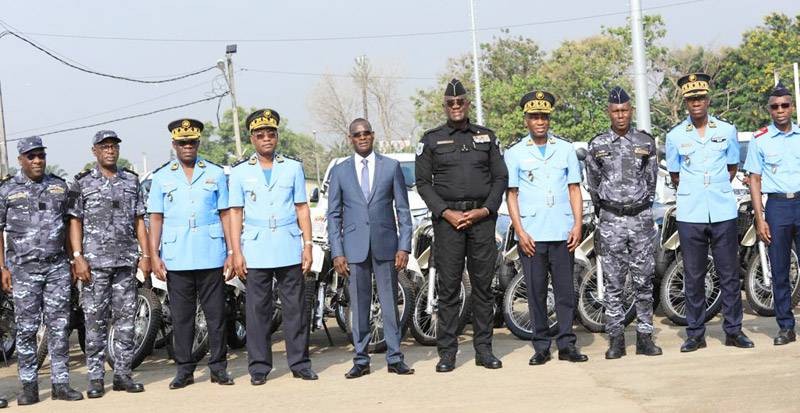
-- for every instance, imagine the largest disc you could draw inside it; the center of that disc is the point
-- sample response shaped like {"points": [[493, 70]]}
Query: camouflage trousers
{"points": [[627, 254], [41, 292], [110, 298]]}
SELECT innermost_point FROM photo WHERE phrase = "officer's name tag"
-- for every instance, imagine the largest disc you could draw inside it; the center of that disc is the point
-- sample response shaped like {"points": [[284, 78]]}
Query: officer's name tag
{"points": [[641, 151], [601, 154], [718, 139], [18, 195], [444, 142], [210, 181], [481, 139], [686, 145], [55, 189]]}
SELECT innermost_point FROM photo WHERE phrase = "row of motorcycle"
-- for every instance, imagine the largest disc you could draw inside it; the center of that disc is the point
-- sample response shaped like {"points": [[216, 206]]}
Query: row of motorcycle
{"points": [[326, 295]]}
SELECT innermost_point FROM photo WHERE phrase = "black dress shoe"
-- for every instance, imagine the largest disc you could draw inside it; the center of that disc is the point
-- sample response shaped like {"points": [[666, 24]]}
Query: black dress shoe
{"points": [[785, 337], [357, 371], [29, 395], [400, 368], [222, 378], [539, 358], [62, 391], [96, 389], [572, 355], [693, 344], [258, 379], [305, 374], [738, 340], [488, 360], [126, 384], [446, 364], [181, 381]]}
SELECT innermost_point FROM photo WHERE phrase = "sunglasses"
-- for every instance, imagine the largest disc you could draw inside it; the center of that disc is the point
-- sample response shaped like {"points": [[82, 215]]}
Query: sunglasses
{"points": [[362, 134], [32, 156], [775, 106], [455, 102], [107, 147], [187, 142]]}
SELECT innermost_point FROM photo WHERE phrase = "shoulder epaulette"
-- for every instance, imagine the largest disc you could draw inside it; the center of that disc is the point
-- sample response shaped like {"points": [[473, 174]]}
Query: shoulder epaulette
{"points": [[162, 166], [130, 171], [57, 177], [431, 130], [760, 132], [676, 125], [595, 137], [483, 129], [5, 179], [82, 173], [294, 158], [515, 141], [567, 140], [239, 162], [646, 133], [213, 163]]}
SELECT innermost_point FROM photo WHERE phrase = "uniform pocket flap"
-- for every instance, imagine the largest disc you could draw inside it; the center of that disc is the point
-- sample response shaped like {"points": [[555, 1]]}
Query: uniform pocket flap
{"points": [[773, 159], [349, 228], [168, 236], [215, 231], [447, 148], [686, 150], [295, 231], [527, 210], [250, 234]]}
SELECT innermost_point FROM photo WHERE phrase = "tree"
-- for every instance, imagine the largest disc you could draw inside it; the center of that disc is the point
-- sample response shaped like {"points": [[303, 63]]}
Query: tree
{"points": [[55, 170], [121, 163]]}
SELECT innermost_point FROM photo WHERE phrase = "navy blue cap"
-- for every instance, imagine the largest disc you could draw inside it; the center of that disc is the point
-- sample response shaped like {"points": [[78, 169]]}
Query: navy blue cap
{"points": [[780, 90], [105, 134], [618, 96], [30, 143]]}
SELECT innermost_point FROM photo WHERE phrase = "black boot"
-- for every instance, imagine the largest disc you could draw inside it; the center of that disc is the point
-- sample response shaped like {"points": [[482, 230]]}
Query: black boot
{"points": [[29, 395], [646, 346], [616, 347], [97, 389], [62, 391], [127, 384]]}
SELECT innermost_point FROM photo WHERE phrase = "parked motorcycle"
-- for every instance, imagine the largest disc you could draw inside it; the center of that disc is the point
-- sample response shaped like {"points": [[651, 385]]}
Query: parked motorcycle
{"points": [[8, 328]]}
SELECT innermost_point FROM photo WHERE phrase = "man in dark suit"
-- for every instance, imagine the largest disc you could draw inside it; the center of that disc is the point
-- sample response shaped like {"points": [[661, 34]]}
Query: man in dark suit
{"points": [[366, 192]]}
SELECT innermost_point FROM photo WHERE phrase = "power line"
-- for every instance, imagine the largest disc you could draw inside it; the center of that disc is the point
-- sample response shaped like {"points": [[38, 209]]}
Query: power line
{"points": [[282, 72], [153, 112], [93, 72], [363, 36]]}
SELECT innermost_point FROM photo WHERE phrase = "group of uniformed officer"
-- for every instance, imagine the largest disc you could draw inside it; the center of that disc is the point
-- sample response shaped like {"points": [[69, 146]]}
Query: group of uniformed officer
{"points": [[206, 229]]}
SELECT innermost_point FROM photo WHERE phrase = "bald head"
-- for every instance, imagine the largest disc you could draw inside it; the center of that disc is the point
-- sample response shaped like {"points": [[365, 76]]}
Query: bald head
{"points": [[354, 125]]}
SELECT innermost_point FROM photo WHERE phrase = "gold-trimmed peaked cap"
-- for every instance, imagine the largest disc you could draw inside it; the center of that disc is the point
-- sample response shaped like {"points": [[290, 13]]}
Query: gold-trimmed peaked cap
{"points": [[263, 118], [185, 129], [694, 84], [538, 101]]}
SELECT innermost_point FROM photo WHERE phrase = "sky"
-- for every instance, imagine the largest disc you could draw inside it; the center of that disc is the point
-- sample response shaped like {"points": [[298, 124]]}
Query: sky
{"points": [[42, 95]]}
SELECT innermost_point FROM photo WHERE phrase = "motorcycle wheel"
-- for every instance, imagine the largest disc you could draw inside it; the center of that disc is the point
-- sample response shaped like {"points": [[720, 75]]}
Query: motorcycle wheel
{"points": [[146, 324], [277, 312], [423, 325], [236, 326], [515, 308], [591, 310], [200, 340], [8, 329], [673, 298], [165, 327], [759, 296]]}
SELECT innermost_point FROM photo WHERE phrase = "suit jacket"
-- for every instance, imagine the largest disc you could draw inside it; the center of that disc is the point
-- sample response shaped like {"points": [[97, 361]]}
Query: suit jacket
{"points": [[357, 225]]}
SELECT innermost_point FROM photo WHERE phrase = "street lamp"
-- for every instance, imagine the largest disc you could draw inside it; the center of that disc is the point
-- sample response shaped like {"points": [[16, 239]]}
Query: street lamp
{"points": [[229, 51]]}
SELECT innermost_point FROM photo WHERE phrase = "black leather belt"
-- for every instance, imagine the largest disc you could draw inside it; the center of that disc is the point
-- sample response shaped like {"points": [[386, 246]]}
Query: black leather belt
{"points": [[792, 195], [624, 209], [463, 205]]}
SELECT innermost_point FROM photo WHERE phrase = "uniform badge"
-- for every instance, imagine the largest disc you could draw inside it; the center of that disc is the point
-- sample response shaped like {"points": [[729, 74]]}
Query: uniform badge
{"points": [[718, 139], [712, 124], [552, 141], [210, 181], [18, 195], [774, 169], [601, 153], [174, 167], [686, 145], [444, 142], [252, 196], [641, 151], [279, 158], [689, 127], [530, 175], [420, 147], [481, 139], [55, 189], [201, 164], [252, 161]]}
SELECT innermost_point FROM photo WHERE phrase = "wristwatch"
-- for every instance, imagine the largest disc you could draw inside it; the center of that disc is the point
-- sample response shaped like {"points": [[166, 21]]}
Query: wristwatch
{"points": [[309, 242], [76, 254]]}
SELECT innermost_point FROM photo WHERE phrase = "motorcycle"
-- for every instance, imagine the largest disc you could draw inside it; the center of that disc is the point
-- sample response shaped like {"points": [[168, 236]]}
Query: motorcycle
{"points": [[8, 328]]}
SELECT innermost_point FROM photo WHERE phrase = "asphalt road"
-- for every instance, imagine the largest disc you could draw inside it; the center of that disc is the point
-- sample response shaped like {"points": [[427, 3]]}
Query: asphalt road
{"points": [[717, 378]]}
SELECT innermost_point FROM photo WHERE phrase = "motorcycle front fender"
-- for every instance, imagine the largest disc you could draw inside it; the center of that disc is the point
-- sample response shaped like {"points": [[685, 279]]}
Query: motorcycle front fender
{"points": [[424, 259], [237, 283], [672, 243], [512, 254], [158, 284], [413, 265], [750, 238]]}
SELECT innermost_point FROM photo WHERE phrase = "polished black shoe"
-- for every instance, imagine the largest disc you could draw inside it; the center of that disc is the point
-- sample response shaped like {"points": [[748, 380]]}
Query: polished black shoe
{"points": [[488, 360], [738, 340], [96, 389], [3, 403], [258, 379], [29, 395], [400, 368], [126, 384], [539, 358], [785, 337], [305, 374], [222, 378], [646, 346], [181, 381], [357, 371], [616, 347], [693, 344], [572, 355], [62, 391], [446, 364]]}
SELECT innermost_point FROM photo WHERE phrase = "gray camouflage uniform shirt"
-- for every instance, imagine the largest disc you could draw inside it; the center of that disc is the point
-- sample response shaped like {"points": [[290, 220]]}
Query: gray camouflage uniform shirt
{"points": [[622, 169], [108, 208]]}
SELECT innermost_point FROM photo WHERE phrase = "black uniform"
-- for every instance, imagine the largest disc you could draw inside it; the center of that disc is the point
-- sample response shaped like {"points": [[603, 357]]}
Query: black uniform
{"points": [[462, 169]]}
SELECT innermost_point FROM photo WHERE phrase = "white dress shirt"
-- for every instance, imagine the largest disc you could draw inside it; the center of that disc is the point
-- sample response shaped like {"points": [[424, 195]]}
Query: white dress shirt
{"points": [[370, 164]]}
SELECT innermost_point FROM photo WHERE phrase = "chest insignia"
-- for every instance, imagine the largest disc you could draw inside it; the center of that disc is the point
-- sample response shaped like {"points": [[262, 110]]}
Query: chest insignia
{"points": [[481, 139], [55, 189]]}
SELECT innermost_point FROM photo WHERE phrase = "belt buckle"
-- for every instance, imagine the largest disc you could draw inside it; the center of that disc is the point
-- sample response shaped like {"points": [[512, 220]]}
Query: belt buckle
{"points": [[550, 200], [790, 195], [273, 223]]}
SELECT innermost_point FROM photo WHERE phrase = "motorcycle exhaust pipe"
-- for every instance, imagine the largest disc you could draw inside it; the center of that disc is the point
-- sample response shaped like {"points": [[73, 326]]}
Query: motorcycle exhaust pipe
{"points": [[431, 288], [765, 268], [600, 285]]}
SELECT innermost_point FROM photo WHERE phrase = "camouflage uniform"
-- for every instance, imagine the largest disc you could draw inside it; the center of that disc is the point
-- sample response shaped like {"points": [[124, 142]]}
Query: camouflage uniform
{"points": [[33, 217], [622, 173], [108, 208]]}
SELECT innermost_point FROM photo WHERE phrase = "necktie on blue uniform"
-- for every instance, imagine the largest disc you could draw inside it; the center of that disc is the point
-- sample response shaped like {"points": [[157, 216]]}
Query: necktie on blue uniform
{"points": [[365, 179]]}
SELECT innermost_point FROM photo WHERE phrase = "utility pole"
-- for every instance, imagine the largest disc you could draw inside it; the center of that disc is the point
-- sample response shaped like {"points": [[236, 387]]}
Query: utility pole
{"points": [[476, 73], [316, 160], [362, 74], [4, 149], [229, 51], [639, 68]]}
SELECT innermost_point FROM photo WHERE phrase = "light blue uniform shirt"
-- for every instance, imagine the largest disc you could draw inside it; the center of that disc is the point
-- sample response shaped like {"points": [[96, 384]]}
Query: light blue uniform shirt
{"points": [[542, 181], [775, 156], [704, 194], [192, 236], [271, 237]]}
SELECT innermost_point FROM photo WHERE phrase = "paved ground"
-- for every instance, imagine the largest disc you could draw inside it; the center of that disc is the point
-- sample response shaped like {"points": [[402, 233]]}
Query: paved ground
{"points": [[717, 378]]}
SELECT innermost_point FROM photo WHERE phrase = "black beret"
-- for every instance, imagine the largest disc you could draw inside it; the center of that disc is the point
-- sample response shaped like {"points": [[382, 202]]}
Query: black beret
{"points": [[780, 90], [618, 95]]}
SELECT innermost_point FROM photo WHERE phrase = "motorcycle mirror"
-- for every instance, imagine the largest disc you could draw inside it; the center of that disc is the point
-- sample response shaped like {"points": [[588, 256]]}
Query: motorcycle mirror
{"points": [[661, 152], [582, 153], [314, 196]]}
